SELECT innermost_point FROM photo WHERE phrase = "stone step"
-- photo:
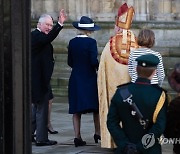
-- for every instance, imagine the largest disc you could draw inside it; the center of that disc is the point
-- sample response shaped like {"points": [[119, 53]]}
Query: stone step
{"points": [[62, 67], [59, 57], [60, 91], [60, 99], [60, 86], [59, 81], [62, 71], [61, 49]]}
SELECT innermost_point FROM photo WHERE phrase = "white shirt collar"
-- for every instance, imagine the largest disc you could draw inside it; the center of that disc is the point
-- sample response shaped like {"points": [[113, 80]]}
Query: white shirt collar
{"points": [[38, 29], [82, 35]]}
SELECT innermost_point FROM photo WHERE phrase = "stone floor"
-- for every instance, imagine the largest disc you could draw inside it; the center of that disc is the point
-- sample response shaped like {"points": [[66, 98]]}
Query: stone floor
{"points": [[62, 121]]}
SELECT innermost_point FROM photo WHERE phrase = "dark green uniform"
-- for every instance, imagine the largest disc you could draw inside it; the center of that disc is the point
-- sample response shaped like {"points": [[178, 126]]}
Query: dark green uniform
{"points": [[146, 97], [125, 127]]}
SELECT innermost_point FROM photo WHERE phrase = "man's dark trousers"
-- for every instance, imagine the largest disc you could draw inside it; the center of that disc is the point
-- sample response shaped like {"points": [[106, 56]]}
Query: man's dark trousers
{"points": [[40, 118]]}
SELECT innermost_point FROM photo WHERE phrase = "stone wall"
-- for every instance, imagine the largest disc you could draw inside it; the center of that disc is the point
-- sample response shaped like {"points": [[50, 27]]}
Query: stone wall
{"points": [[105, 10]]}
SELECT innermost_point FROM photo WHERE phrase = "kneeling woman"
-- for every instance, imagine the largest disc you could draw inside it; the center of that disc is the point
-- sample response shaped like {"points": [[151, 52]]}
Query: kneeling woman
{"points": [[82, 92]]}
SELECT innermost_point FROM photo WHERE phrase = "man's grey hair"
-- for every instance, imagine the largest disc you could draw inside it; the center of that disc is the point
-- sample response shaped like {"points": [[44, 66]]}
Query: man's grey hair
{"points": [[43, 17]]}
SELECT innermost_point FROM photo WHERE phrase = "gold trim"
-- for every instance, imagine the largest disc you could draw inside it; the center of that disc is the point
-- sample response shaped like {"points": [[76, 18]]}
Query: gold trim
{"points": [[159, 106], [127, 23], [120, 50]]}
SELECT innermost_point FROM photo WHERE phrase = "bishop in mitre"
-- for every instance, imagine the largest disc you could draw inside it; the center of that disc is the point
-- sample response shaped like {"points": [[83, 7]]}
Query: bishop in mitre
{"points": [[113, 68]]}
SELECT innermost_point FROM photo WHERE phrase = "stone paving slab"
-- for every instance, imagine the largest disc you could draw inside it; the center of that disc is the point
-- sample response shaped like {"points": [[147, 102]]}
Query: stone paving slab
{"points": [[62, 122]]}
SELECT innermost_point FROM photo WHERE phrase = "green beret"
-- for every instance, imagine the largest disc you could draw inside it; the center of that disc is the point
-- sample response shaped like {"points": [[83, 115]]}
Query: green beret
{"points": [[147, 60]]}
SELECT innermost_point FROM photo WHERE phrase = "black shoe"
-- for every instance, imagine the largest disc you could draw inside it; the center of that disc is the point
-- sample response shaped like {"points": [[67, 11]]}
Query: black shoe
{"points": [[52, 132], [33, 139], [79, 142], [46, 143], [96, 138]]}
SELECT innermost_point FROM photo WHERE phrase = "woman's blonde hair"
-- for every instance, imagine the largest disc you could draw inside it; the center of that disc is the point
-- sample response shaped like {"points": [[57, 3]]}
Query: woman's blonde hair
{"points": [[86, 32]]}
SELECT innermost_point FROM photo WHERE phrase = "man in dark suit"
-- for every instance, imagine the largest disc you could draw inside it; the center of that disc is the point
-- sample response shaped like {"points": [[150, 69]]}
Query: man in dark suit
{"points": [[137, 114], [42, 64]]}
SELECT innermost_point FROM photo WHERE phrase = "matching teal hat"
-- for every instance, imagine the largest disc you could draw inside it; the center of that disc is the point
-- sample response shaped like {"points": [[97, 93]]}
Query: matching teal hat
{"points": [[147, 60]]}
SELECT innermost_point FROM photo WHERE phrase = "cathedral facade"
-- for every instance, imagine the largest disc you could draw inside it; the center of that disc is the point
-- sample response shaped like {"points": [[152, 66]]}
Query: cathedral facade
{"points": [[105, 10]]}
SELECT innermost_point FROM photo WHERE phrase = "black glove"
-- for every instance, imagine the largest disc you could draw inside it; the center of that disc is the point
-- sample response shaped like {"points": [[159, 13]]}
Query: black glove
{"points": [[130, 148]]}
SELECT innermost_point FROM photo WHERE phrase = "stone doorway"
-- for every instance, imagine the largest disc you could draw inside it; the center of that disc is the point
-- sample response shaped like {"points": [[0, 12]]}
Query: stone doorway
{"points": [[15, 106]]}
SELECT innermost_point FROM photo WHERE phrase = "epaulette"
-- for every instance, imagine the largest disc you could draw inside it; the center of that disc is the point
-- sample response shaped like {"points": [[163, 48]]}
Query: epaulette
{"points": [[160, 88], [165, 91], [125, 84]]}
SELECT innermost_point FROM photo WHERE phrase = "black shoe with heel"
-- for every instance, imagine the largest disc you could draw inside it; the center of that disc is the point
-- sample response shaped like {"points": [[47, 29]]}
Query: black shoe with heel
{"points": [[52, 131], [79, 142], [96, 138]]}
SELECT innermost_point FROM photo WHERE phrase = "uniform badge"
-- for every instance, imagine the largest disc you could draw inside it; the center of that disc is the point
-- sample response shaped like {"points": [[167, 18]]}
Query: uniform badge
{"points": [[133, 113]]}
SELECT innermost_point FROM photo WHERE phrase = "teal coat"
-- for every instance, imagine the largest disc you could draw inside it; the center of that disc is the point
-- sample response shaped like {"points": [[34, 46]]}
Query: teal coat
{"points": [[145, 96]]}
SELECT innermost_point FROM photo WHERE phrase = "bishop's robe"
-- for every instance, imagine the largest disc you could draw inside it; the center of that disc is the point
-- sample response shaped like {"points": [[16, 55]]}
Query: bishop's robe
{"points": [[113, 71]]}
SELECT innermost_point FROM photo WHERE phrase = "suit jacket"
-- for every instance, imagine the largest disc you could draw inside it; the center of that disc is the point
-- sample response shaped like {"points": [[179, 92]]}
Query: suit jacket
{"points": [[42, 61], [145, 96]]}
